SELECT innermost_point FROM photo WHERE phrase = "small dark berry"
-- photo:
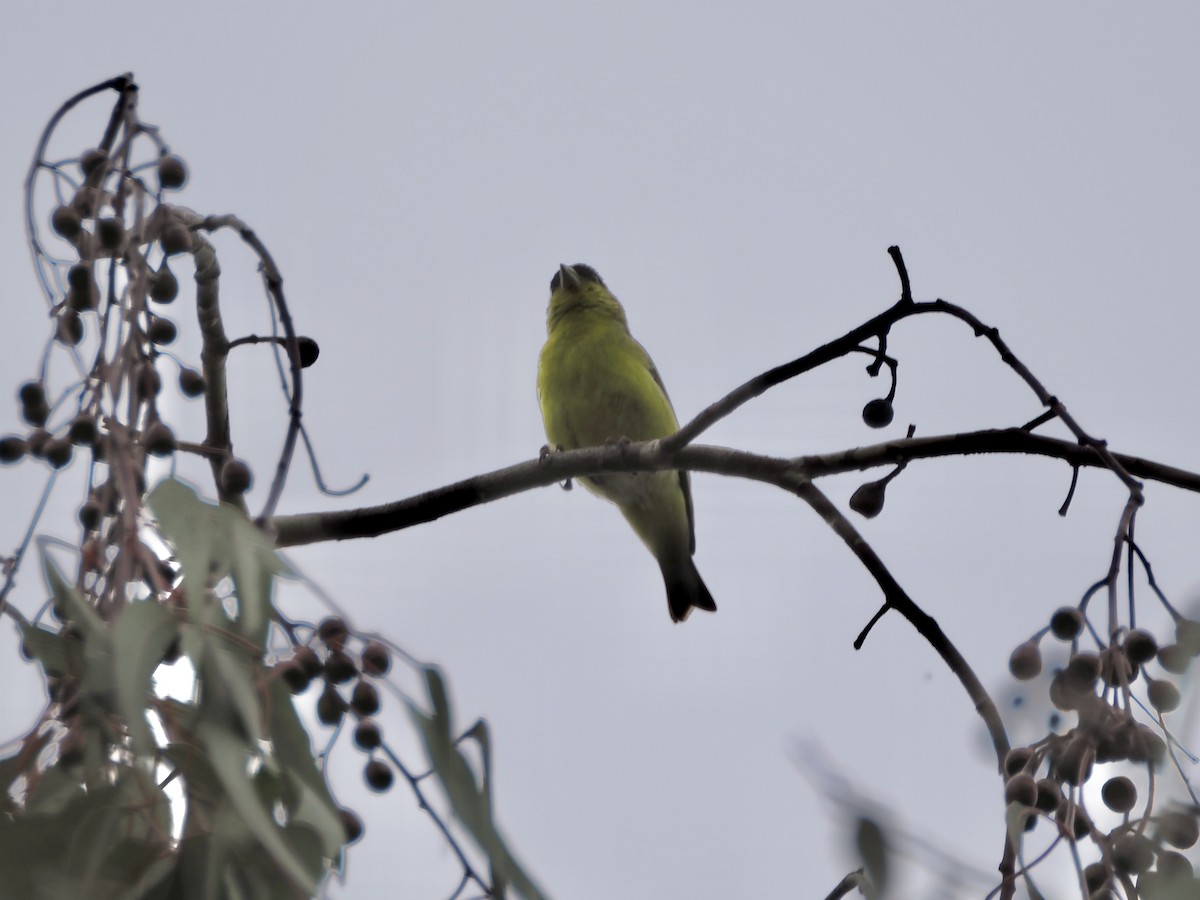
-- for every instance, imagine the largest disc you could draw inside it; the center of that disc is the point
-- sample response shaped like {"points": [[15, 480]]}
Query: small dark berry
{"points": [[162, 331], [83, 430], [1164, 696], [867, 499], [109, 233], [1132, 854], [352, 824], [378, 775], [235, 477], [1083, 669], [90, 515], [364, 699], [1097, 877], [1174, 658], [79, 277], [191, 382], [367, 735], [172, 173], [293, 675], [332, 631], [1073, 764], [1119, 794], [159, 440], [66, 221], [375, 658], [1049, 795], [309, 661], [1140, 646], [36, 415], [175, 238], [1066, 623], [330, 706], [32, 393], [339, 667], [1021, 788], [1026, 661], [12, 448], [58, 452], [1146, 746], [1068, 811], [149, 382], [309, 351], [1016, 760], [1174, 867], [69, 328], [91, 160], [164, 286], [878, 413], [1179, 829]]}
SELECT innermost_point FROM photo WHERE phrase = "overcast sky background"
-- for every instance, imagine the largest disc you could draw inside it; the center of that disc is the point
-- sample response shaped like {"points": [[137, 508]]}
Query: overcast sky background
{"points": [[736, 175]]}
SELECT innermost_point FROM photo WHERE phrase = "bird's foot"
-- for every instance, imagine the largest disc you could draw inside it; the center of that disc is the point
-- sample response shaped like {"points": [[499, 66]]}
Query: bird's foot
{"points": [[545, 453]]}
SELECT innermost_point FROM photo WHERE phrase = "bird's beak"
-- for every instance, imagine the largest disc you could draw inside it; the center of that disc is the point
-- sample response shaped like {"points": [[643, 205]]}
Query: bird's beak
{"points": [[569, 277]]}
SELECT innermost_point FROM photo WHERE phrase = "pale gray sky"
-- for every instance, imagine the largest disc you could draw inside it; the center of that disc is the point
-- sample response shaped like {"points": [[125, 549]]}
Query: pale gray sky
{"points": [[736, 175]]}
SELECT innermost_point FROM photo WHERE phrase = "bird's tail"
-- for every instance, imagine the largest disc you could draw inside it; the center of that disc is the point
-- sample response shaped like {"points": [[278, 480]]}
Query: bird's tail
{"points": [[686, 589]]}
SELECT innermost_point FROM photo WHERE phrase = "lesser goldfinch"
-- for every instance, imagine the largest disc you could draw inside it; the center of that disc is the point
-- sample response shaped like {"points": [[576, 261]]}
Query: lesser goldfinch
{"points": [[596, 384]]}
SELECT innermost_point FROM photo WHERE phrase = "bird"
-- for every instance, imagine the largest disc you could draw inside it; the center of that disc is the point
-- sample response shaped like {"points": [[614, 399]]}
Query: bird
{"points": [[597, 385]]}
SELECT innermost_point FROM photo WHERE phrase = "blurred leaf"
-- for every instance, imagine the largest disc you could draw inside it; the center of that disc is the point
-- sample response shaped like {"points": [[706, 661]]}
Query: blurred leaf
{"points": [[147, 811], [872, 845], [96, 680], [307, 846], [12, 767], [469, 802], [54, 791], [213, 541], [78, 845], [479, 733], [188, 524], [143, 632], [29, 846], [195, 767], [90, 833], [47, 647], [69, 600], [234, 676], [229, 755], [292, 747], [98, 684], [253, 564], [155, 880]]}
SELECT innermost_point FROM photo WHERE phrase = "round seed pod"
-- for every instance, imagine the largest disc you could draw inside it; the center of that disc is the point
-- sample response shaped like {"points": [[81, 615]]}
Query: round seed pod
{"points": [[172, 172], [235, 477], [1066, 623], [1119, 794], [378, 775], [66, 221], [878, 413]]}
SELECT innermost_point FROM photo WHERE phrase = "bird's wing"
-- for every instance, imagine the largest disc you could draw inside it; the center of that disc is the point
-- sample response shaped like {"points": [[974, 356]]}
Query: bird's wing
{"points": [[685, 483]]}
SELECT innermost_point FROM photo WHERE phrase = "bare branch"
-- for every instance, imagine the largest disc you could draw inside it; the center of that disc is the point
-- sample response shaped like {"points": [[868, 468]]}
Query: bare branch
{"points": [[307, 528]]}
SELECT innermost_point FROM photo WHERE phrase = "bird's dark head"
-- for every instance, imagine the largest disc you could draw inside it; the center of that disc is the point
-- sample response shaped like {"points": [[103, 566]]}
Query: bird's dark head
{"points": [[578, 291], [574, 277]]}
